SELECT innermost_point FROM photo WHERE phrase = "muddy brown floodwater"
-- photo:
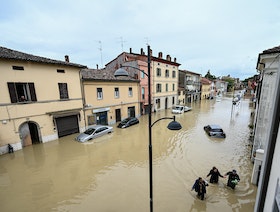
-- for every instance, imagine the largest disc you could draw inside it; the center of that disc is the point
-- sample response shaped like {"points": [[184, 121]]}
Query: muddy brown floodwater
{"points": [[111, 174]]}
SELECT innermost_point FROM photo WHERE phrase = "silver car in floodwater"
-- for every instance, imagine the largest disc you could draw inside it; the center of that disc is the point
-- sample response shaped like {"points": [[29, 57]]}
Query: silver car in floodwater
{"points": [[178, 109], [94, 132]]}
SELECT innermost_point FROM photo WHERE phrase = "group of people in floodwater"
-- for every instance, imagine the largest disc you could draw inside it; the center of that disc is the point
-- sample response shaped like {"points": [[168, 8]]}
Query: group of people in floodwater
{"points": [[200, 185]]}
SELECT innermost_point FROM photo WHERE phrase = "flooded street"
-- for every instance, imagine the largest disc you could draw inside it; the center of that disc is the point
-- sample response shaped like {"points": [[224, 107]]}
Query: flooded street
{"points": [[110, 173]]}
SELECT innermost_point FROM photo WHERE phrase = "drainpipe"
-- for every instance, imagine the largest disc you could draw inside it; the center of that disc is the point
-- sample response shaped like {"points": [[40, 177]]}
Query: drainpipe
{"points": [[83, 95]]}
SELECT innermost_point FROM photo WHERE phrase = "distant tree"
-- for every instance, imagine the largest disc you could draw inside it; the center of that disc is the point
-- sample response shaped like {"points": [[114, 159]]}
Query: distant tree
{"points": [[230, 83], [245, 81], [210, 76]]}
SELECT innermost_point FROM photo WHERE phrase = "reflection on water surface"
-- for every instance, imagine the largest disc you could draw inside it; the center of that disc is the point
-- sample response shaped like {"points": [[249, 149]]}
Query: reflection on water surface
{"points": [[111, 172]]}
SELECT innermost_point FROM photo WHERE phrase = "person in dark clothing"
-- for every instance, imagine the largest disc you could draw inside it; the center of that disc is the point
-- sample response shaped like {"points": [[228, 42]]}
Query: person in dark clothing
{"points": [[10, 148], [200, 187], [215, 174], [233, 178]]}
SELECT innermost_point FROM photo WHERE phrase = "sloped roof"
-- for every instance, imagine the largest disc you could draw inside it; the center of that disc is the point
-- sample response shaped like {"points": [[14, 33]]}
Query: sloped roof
{"points": [[272, 50], [189, 72], [104, 75], [10, 54], [205, 81], [267, 52]]}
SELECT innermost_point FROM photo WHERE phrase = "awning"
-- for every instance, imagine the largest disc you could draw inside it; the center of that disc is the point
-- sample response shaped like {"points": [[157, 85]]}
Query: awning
{"points": [[61, 113], [101, 110]]}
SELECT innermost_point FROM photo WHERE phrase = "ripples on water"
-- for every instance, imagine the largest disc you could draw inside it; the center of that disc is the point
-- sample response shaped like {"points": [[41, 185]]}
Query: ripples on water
{"points": [[111, 173]]}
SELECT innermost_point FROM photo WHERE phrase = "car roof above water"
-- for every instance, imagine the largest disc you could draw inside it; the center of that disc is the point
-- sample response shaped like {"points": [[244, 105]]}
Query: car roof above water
{"points": [[96, 126], [214, 126]]}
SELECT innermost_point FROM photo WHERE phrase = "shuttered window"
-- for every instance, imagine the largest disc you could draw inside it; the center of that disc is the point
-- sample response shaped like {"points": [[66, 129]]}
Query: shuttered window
{"points": [[63, 90], [22, 92]]}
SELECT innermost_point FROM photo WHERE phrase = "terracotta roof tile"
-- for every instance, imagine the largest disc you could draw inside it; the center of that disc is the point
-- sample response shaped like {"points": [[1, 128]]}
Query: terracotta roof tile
{"points": [[10, 54], [103, 74]]}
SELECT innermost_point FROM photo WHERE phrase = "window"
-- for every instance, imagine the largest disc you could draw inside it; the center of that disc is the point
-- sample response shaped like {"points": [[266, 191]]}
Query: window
{"points": [[166, 87], [22, 92], [142, 75], [173, 87], [63, 91], [130, 91], [99, 93], [143, 93], [158, 88], [166, 73], [174, 74], [20, 68], [117, 94], [60, 71], [158, 72], [173, 100]]}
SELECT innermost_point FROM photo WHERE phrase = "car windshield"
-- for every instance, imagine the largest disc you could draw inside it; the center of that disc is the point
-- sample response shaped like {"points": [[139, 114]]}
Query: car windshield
{"points": [[177, 108], [89, 131], [217, 130], [125, 120]]}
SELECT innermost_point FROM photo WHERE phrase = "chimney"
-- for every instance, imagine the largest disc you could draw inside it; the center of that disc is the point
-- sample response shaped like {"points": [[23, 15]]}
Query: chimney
{"points": [[67, 58], [175, 60], [151, 52], [168, 58], [96, 66], [142, 52], [130, 50], [160, 55]]}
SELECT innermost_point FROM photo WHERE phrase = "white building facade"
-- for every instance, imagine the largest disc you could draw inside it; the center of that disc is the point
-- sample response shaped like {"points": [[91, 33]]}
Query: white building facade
{"points": [[266, 138]]}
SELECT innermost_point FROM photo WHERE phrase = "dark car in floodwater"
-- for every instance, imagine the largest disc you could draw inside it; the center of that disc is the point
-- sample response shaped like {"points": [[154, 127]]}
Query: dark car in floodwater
{"points": [[214, 130], [128, 122]]}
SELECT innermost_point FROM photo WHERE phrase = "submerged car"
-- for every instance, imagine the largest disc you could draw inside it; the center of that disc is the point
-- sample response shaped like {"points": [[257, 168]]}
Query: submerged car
{"points": [[178, 109], [186, 108], [215, 131], [94, 132], [128, 122]]}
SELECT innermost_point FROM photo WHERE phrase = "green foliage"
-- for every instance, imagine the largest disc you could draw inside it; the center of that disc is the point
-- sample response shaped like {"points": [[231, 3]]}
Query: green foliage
{"points": [[230, 83], [210, 76]]}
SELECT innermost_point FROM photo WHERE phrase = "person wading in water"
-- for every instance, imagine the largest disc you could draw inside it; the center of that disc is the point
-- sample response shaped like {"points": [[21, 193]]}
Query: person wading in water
{"points": [[215, 174]]}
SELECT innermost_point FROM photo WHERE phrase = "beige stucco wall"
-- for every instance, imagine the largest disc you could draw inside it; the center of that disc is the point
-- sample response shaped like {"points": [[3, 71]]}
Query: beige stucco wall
{"points": [[109, 101], [163, 80], [44, 76], [205, 91], [45, 79]]}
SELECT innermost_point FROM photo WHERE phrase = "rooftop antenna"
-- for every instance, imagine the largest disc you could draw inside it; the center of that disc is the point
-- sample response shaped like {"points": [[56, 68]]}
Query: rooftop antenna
{"points": [[100, 49], [122, 42], [147, 40]]}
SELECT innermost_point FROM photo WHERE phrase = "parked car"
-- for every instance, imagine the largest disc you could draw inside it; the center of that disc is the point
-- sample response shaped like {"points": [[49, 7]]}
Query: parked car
{"points": [[186, 108], [128, 122], [178, 109], [215, 131], [94, 132]]}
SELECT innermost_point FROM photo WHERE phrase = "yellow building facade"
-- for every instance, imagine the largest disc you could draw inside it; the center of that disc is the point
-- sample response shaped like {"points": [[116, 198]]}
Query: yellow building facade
{"points": [[38, 96], [205, 88], [165, 82], [109, 100]]}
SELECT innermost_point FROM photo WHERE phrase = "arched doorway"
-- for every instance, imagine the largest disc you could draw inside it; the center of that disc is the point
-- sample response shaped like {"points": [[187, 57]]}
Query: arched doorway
{"points": [[29, 133]]}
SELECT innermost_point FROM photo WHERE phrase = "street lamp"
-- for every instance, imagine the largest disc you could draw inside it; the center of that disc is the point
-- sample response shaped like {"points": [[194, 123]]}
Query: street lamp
{"points": [[173, 125]]}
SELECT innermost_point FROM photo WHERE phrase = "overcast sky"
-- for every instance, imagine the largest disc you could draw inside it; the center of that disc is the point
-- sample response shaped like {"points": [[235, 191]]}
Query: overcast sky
{"points": [[223, 36]]}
